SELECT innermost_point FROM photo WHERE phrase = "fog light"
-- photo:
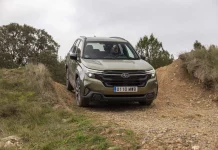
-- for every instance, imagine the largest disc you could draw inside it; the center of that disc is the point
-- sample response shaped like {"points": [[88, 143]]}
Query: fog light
{"points": [[150, 95], [97, 97]]}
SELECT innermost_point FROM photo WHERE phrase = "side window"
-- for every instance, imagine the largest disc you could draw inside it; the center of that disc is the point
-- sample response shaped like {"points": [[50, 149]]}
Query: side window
{"points": [[129, 52], [71, 49]]}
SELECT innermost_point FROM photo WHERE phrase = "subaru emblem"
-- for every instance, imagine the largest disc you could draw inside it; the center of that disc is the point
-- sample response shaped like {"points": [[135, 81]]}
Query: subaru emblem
{"points": [[125, 75]]}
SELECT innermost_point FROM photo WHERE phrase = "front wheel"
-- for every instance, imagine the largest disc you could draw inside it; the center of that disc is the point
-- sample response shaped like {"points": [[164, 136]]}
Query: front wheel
{"points": [[80, 101]]}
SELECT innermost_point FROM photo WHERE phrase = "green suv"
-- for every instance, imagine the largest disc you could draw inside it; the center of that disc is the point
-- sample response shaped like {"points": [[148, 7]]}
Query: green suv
{"points": [[109, 69]]}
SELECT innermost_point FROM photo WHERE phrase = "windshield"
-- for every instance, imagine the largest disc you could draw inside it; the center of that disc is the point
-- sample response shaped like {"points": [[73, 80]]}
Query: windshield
{"points": [[109, 50]]}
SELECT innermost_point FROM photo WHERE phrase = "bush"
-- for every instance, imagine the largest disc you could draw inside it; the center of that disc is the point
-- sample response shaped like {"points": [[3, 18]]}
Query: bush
{"points": [[202, 63], [55, 67]]}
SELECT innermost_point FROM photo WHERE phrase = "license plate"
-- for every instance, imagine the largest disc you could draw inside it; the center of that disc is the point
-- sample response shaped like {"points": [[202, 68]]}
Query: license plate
{"points": [[125, 89]]}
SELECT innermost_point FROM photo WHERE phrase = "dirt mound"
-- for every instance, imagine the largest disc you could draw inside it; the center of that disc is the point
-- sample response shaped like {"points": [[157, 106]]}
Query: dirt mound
{"points": [[65, 98], [183, 116], [176, 87]]}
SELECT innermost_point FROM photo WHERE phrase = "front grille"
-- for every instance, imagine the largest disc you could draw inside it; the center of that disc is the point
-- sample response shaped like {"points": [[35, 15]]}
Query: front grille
{"points": [[114, 78]]}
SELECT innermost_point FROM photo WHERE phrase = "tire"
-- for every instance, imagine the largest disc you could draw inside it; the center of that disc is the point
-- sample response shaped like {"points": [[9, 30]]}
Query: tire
{"points": [[80, 101], [68, 85], [145, 103]]}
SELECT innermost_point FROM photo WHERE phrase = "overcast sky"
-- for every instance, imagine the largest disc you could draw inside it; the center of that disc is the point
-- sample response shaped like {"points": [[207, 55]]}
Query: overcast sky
{"points": [[176, 23]]}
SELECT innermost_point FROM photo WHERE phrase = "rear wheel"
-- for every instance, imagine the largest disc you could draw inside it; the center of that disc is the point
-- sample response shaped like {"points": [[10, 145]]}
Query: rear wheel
{"points": [[145, 103], [68, 85], [80, 101]]}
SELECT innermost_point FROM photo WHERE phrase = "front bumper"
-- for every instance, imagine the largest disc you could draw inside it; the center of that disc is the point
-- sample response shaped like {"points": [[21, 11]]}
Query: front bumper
{"points": [[93, 96], [98, 92]]}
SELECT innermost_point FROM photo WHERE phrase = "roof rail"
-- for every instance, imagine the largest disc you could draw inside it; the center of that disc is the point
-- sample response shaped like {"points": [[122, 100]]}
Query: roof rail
{"points": [[119, 38], [83, 37]]}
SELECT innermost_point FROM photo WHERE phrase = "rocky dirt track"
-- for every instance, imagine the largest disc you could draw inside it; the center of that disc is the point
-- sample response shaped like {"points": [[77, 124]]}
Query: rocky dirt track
{"points": [[184, 116]]}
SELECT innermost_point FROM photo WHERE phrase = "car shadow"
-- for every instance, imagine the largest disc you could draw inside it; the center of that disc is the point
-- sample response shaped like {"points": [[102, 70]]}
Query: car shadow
{"points": [[118, 106]]}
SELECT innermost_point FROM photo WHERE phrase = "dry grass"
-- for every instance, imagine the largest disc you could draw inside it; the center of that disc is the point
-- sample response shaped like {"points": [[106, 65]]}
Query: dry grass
{"points": [[203, 65], [39, 78]]}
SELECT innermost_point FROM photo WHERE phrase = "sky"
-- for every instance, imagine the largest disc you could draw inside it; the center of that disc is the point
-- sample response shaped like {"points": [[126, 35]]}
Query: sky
{"points": [[176, 23]]}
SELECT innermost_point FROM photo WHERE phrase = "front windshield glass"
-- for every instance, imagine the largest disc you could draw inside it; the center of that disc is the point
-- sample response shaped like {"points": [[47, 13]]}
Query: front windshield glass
{"points": [[109, 50]]}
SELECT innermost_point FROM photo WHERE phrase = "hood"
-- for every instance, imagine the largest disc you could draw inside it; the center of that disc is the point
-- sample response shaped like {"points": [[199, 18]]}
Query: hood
{"points": [[105, 64]]}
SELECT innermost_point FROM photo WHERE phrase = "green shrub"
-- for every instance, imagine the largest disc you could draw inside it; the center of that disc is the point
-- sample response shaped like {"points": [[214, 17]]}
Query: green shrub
{"points": [[203, 64]]}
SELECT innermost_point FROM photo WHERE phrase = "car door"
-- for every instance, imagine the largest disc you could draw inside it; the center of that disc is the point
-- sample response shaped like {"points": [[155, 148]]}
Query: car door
{"points": [[72, 63]]}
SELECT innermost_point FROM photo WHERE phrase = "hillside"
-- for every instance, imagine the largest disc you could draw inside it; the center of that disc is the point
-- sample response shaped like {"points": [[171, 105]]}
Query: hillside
{"points": [[184, 116], [37, 113], [178, 88]]}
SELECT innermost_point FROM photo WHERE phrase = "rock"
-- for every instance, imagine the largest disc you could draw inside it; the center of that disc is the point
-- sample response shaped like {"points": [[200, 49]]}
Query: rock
{"points": [[179, 140], [10, 142], [113, 148], [66, 120], [195, 147], [9, 138], [93, 147], [143, 142]]}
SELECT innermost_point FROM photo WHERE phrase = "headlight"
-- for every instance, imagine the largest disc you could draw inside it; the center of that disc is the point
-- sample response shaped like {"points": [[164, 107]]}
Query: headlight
{"points": [[152, 72], [91, 73]]}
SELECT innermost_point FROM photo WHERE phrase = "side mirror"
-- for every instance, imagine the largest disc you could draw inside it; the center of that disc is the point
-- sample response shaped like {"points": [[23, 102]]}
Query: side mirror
{"points": [[142, 57], [73, 56]]}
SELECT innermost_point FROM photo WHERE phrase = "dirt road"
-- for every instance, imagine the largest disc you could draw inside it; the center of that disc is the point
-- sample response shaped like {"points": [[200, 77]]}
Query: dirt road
{"points": [[184, 116]]}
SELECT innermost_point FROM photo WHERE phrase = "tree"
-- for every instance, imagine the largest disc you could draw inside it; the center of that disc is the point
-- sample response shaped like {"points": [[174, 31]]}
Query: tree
{"points": [[18, 43], [198, 45], [55, 66], [153, 51]]}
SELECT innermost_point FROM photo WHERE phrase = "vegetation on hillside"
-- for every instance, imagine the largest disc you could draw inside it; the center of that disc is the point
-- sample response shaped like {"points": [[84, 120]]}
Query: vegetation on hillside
{"points": [[153, 51], [21, 44], [202, 63], [27, 100]]}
